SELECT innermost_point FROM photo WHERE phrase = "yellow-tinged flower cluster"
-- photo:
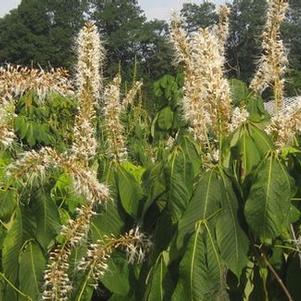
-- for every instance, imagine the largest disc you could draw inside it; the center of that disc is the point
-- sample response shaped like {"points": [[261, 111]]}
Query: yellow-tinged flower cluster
{"points": [[286, 125], [135, 243], [239, 116], [273, 62], [132, 93], [16, 81], [75, 162], [89, 79], [114, 129], [90, 52], [223, 26], [207, 101], [57, 285], [7, 115]]}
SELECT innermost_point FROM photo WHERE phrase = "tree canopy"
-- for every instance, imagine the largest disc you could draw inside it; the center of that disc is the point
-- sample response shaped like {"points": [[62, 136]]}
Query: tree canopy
{"points": [[41, 32]]}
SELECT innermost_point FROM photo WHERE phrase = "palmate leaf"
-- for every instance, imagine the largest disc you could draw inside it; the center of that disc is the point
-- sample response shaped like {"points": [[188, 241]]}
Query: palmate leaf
{"points": [[232, 241], [32, 264], [250, 144], [10, 253], [21, 230], [116, 279], [129, 190], [47, 218], [268, 204], [181, 173], [158, 282], [204, 203], [202, 273]]}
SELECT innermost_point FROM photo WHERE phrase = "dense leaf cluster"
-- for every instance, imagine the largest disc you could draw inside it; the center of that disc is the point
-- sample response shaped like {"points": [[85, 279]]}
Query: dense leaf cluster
{"points": [[224, 233]]}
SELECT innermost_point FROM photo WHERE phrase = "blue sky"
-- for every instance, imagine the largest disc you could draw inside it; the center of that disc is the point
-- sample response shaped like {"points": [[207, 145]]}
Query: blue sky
{"points": [[160, 9]]}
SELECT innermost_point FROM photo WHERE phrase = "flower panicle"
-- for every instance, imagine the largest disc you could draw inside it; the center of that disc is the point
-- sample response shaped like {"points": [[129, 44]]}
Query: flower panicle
{"points": [[223, 26], [215, 89], [15, 81], [206, 100], [33, 164], [135, 243], [90, 57], [7, 115], [180, 41], [130, 96], [286, 125], [84, 144], [86, 184], [91, 53], [114, 129], [239, 116], [273, 62], [57, 285]]}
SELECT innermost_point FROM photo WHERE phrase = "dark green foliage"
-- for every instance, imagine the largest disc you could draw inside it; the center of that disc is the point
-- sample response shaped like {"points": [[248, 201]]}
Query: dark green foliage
{"points": [[41, 32], [198, 15]]}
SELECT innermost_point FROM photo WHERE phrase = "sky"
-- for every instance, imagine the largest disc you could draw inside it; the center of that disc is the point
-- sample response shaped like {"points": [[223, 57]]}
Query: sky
{"points": [[160, 9]]}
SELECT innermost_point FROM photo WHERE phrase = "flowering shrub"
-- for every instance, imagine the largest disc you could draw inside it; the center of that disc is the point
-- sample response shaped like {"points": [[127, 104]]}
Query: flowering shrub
{"points": [[202, 202]]}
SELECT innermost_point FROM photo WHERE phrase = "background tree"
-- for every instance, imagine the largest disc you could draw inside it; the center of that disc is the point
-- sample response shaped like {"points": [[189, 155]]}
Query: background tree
{"points": [[41, 32], [198, 15], [246, 24], [130, 37]]}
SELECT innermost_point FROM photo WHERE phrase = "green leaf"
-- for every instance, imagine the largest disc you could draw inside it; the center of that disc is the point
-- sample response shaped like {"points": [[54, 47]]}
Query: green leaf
{"points": [[239, 91], [136, 171], [201, 270], [165, 118], [250, 145], [154, 185], [109, 221], [32, 264], [47, 218], [232, 241], [268, 204], [10, 254], [180, 182], [8, 202], [116, 279], [158, 282], [204, 203], [21, 229], [129, 190]]}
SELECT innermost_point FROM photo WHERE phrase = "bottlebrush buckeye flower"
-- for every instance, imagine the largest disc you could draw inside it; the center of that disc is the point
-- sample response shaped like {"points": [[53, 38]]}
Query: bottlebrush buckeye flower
{"points": [[15, 81], [114, 129], [90, 57], [131, 94], [223, 26], [286, 125], [273, 62], [57, 285], [206, 102], [7, 115], [135, 243]]}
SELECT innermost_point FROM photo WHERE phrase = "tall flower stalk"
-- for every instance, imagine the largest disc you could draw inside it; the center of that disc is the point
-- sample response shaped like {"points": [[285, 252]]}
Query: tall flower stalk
{"points": [[89, 79], [57, 285], [273, 62], [114, 106], [206, 101]]}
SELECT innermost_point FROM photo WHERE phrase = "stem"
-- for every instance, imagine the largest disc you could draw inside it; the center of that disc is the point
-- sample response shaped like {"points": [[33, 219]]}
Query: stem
{"points": [[279, 280], [15, 288], [297, 246]]}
